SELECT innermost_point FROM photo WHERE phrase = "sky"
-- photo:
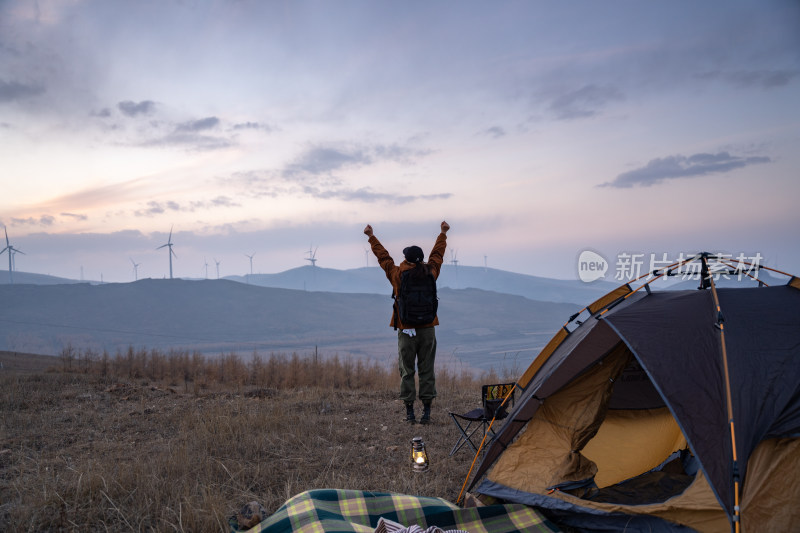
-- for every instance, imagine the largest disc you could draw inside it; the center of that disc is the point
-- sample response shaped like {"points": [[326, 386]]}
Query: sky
{"points": [[276, 129]]}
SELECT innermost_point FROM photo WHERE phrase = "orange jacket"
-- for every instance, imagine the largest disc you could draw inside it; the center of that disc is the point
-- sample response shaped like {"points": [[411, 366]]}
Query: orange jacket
{"points": [[393, 272]]}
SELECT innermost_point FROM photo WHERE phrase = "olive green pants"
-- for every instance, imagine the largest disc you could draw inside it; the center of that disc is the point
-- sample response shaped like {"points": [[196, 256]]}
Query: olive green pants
{"points": [[419, 349]]}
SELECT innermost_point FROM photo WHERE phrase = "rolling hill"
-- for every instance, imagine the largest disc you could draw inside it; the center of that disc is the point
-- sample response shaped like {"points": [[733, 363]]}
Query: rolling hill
{"points": [[489, 318], [21, 278], [480, 329], [372, 280]]}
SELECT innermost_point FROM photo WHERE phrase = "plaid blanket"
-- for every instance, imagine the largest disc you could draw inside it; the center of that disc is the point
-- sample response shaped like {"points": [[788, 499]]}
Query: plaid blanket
{"points": [[353, 511]]}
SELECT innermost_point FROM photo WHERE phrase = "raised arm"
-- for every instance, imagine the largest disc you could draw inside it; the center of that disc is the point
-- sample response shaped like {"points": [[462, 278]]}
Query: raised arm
{"points": [[436, 257], [384, 259]]}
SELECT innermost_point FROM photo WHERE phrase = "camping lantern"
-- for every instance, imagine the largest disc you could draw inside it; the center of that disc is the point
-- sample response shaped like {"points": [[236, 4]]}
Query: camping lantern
{"points": [[419, 457]]}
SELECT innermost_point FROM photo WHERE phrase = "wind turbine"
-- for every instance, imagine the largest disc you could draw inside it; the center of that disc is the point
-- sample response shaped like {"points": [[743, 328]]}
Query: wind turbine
{"points": [[251, 261], [454, 260], [11, 251], [312, 256], [205, 264], [171, 252], [135, 269], [217, 263]]}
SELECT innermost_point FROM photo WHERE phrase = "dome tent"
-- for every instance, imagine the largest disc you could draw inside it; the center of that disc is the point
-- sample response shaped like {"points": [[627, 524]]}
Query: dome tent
{"points": [[661, 410]]}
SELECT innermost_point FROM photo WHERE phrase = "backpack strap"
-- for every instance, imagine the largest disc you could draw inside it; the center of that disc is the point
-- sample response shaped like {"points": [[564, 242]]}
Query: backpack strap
{"points": [[395, 311]]}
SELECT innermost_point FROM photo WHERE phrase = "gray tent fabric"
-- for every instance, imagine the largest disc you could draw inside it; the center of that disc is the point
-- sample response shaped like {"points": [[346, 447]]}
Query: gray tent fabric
{"points": [[674, 336], [676, 339]]}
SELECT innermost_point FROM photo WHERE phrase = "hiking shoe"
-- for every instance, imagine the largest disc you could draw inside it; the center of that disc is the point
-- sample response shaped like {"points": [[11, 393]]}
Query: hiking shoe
{"points": [[410, 418], [426, 415]]}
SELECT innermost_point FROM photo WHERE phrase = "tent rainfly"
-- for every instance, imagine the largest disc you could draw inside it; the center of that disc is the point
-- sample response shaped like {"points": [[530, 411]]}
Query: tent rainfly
{"points": [[661, 410]]}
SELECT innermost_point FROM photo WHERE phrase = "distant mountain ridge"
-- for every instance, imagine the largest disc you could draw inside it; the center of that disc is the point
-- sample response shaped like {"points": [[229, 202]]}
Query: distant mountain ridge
{"points": [[372, 280], [480, 329], [31, 278]]}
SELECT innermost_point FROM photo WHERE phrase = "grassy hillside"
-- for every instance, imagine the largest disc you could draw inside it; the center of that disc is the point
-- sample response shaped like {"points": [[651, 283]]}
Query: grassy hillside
{"points": [[373, 280], [478, 328], [109, 446]]}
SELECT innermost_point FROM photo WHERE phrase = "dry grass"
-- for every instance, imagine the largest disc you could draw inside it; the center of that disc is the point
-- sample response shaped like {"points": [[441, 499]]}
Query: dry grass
{"points": [[153, 441]]}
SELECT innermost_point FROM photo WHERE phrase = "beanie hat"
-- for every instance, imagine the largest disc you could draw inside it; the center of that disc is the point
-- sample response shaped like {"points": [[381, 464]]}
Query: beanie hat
{"points": [[413, 254]]}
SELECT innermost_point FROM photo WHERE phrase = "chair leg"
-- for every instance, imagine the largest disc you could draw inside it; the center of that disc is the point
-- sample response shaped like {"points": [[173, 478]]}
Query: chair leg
{"points": [[466, 435]]}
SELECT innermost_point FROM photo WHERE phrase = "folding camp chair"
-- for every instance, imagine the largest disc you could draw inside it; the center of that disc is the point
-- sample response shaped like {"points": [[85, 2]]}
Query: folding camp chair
{"points": [[492, 408]]}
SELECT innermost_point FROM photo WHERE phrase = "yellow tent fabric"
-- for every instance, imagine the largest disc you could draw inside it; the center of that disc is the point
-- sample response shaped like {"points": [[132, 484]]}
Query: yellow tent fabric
{"points": [[548, 452], [770, 498], [630, 442]]}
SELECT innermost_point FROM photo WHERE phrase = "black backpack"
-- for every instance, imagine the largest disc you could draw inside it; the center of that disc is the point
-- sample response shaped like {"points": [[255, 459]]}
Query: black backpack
{"points": [[417, 302]]}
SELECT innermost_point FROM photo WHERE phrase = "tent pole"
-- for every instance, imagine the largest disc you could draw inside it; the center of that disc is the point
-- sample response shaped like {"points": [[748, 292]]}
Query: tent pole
{"points": [[745, 273], [637, 289], [765, 267], [480, 447], [729, 400], [664, 272]]}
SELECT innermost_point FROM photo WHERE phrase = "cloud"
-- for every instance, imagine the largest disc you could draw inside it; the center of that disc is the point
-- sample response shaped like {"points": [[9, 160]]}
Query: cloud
{"points": [[252, 126], [585, 102], [191, 141], [42, 220], [103, 113], [219, 201], [365, 194], [198, 125], [12, 90], [495, 132], [132, 109], [313, 174], [192, 134], [259, 184], [319, 160], [678, 166], [399, 154], [273, 184], [75, 216], [154, 208], [766, 79], [223, 201]]}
